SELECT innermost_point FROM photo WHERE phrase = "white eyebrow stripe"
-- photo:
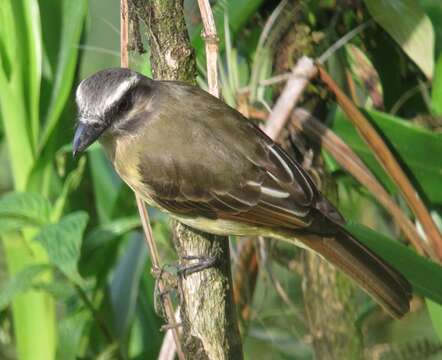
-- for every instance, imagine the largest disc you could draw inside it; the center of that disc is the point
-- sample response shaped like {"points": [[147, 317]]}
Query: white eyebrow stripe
{"points": [[90, 120], [120, 90], [283, 163]]}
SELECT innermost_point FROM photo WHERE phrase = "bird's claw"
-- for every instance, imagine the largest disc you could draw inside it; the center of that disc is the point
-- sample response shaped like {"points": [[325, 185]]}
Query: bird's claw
{"points": [[203, 262]]}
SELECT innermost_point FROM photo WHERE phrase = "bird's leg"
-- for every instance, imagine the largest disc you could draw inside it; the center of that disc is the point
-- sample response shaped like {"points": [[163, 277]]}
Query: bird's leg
{"points": [[203, 262], [167, 275]]}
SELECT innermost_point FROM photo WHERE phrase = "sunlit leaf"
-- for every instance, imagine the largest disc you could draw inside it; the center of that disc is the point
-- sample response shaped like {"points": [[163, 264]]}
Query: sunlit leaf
{"points": [[405, 21], [20, 209], [435, 311], [433, 8]]}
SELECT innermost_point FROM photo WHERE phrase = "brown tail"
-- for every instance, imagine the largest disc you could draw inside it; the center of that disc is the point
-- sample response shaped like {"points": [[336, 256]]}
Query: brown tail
{"points": [[384, 283]]}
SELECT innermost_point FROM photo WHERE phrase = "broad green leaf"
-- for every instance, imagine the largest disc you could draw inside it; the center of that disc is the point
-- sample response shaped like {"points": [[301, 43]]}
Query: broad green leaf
{"points": [[59, 289], [19, 210], [424, 275], [436, 90], [433, 8], [19, 283], [409, 26], [104, 233], [62, 242], [97, 247], [435, 311], [124, 286], [412, 145]]}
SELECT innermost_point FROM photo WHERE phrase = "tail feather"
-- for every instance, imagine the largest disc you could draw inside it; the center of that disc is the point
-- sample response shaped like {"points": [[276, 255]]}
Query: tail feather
{"points": [[384, 283]]}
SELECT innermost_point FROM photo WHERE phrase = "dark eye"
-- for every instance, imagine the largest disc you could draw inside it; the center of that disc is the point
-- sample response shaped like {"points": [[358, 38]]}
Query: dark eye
{"points": [[124, 104]]}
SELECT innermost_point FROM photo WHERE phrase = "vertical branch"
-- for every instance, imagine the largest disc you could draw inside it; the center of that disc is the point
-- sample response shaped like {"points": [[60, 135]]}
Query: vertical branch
{"points": [[211, 40], [144, 216], [208, 315], [124, 34], [331, 310]]}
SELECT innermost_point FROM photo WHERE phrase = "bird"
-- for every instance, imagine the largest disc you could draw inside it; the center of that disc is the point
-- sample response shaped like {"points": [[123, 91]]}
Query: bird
{"points": [[197, 159]]}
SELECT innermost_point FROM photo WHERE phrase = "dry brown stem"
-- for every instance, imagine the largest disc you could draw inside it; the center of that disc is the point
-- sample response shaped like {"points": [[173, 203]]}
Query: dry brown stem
{"points": [[302, 73], [388, 161], [304, 121]]}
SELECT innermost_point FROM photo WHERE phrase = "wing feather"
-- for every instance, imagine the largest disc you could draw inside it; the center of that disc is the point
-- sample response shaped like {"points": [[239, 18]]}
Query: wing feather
{"points": [[241, 174]]}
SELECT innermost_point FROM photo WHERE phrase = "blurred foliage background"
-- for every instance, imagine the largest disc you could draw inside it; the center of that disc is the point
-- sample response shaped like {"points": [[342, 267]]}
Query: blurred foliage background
{"points": [[74, 271]]}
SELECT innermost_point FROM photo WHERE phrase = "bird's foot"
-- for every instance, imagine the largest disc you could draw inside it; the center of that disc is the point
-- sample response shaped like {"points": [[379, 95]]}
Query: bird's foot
{"points": [[199, 263], [168, 275]]}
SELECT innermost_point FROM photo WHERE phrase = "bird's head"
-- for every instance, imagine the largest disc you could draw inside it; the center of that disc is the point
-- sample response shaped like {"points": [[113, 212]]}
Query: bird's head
{"points": [[110, 101]]}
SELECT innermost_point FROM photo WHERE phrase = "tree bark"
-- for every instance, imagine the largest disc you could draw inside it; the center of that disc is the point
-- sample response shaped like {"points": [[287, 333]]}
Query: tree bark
{"points": [[210, 329], [331, 312], [171, 55], [207, 299]]}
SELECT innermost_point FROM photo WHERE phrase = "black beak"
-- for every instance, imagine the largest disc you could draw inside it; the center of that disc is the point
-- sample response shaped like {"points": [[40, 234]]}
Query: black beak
{"points": [[85, 135]]}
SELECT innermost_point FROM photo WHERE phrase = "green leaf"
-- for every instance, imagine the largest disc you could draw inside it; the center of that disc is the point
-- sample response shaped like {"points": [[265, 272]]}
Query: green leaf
{"points": [[60, 289], [70, 334], [71, 183], [33, 66], [19, 210], [144, 335], [19, 283], [409, 26], [105, 182], [435, 311], [13, 102], [96, 246], [411, 144], [239, 12], [73, 15], [62, 242], [436, 90], [124, 286], [433, 8], [424, 275]]}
